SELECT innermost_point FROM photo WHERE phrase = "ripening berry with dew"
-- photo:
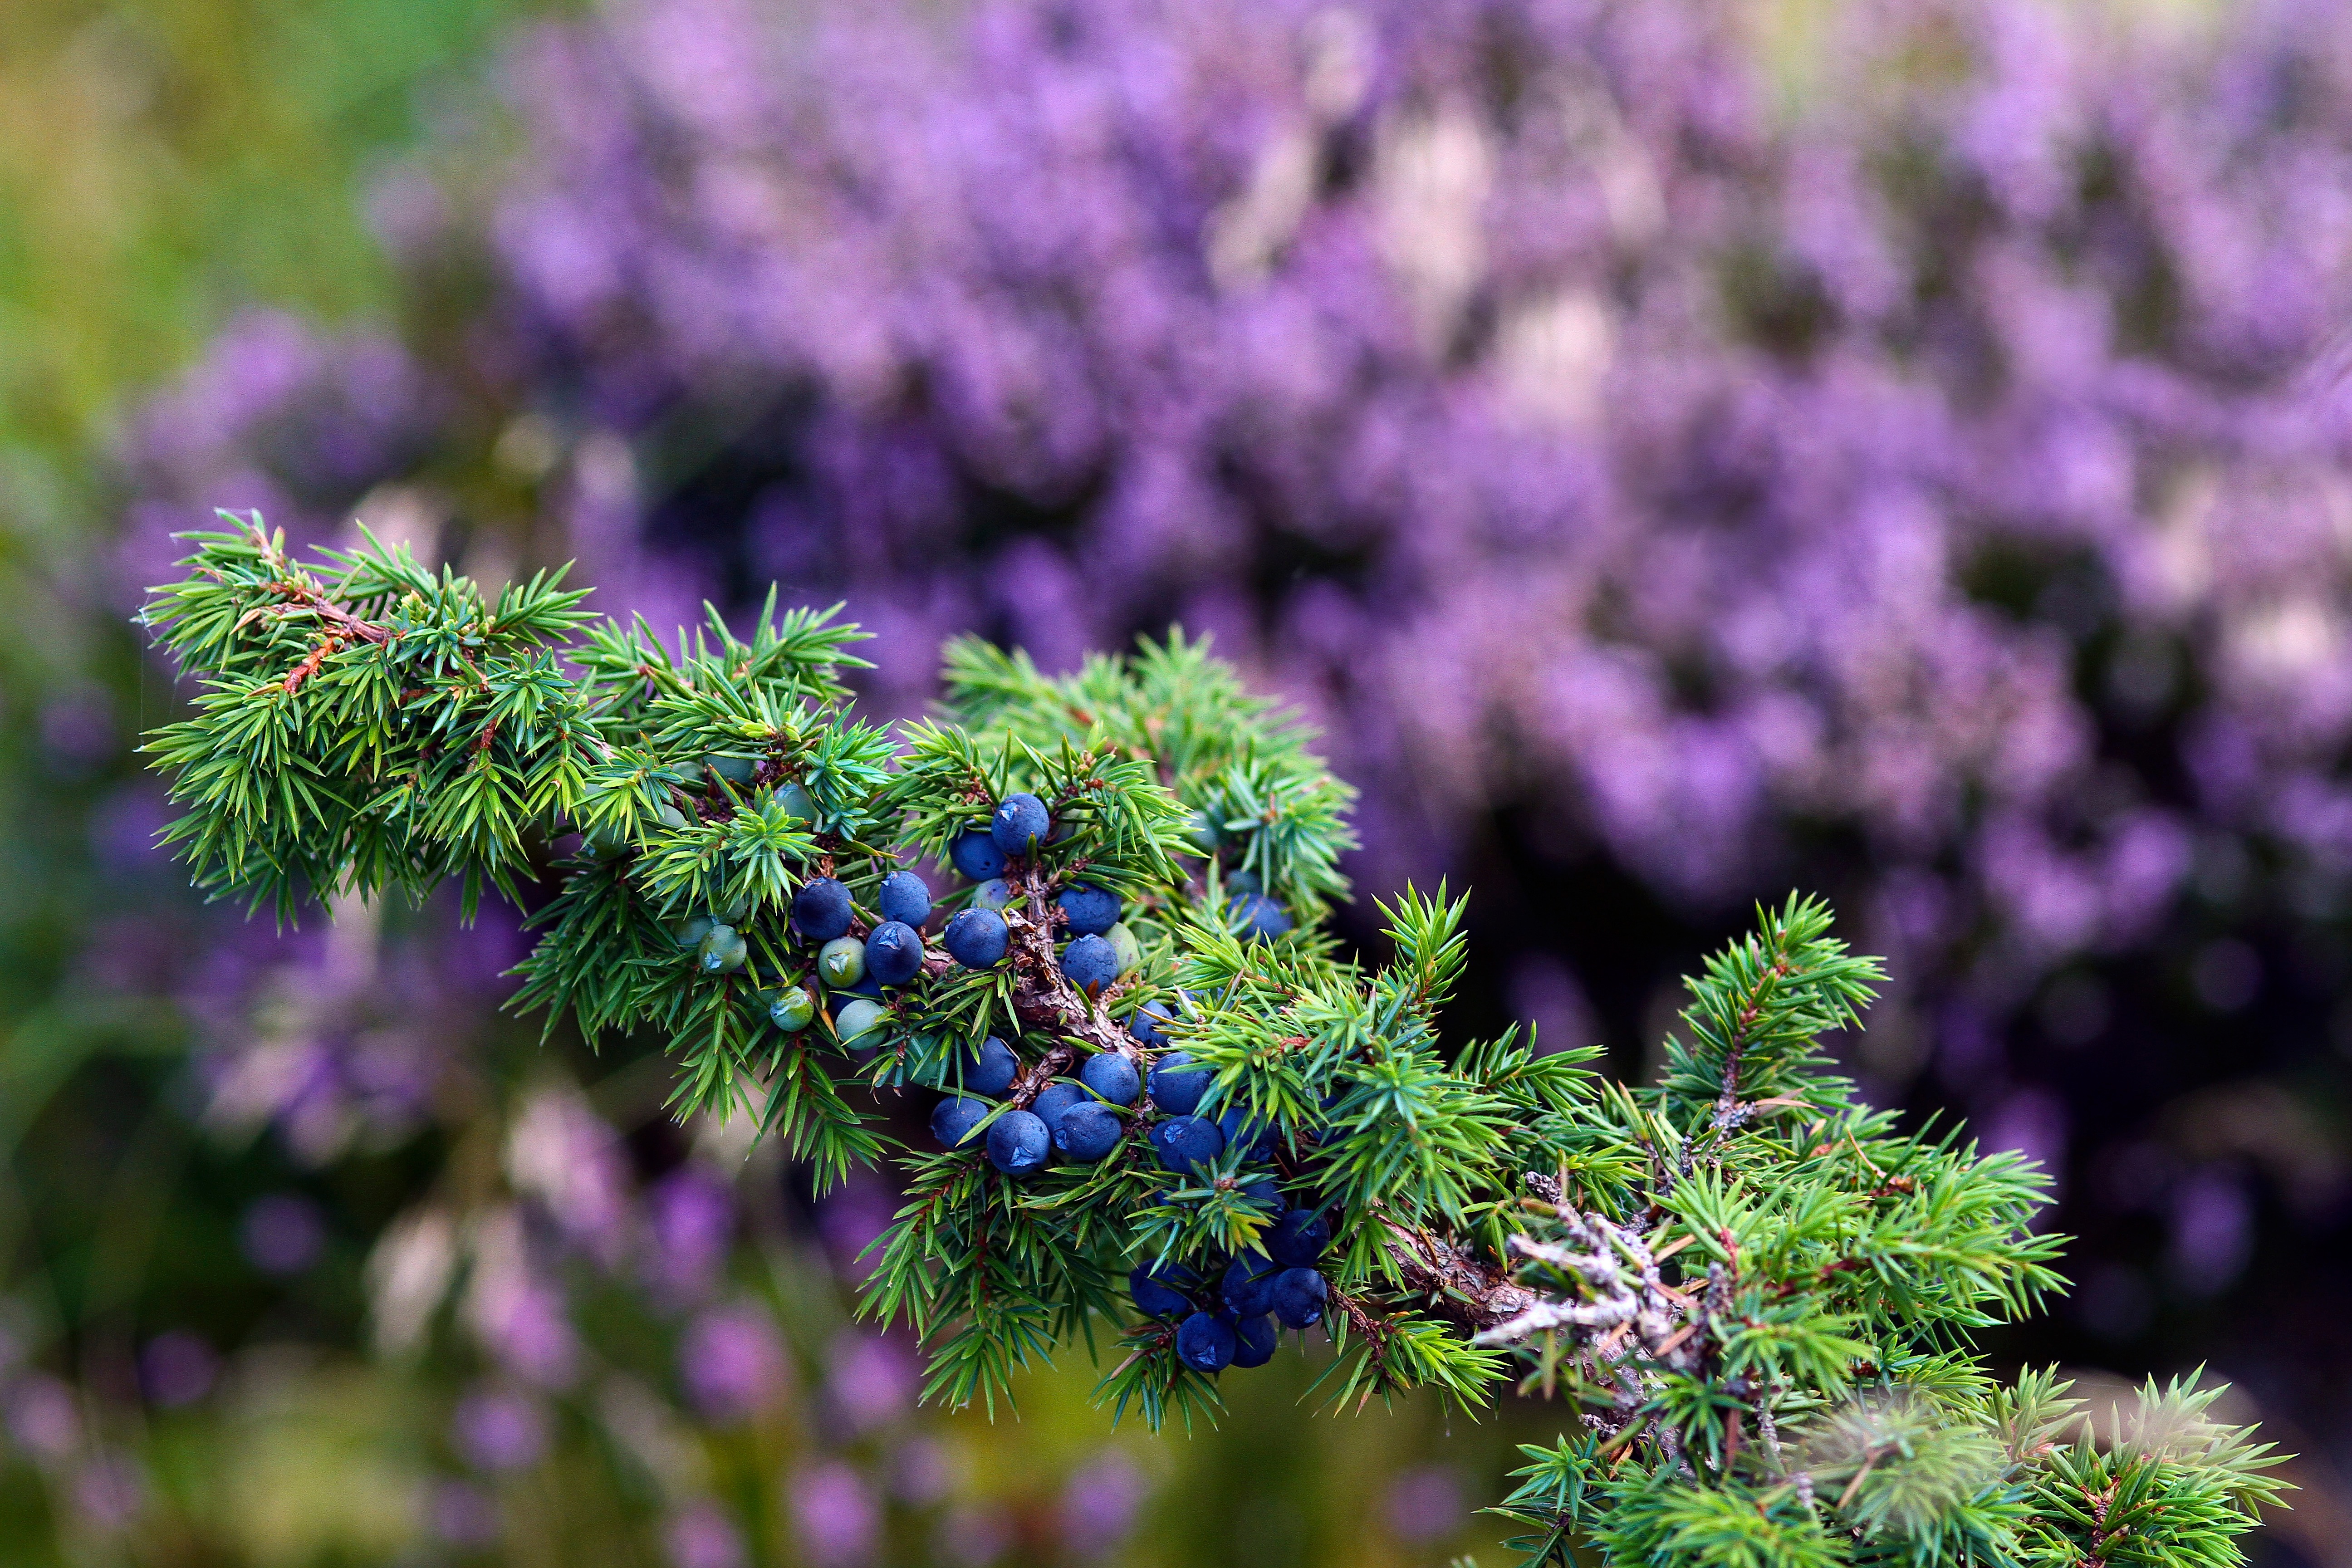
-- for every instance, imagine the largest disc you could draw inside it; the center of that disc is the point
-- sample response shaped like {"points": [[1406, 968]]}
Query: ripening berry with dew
{"points": [[1298, 1297], [1177, 1085], [1204, 1341], [1254, 1341], [1020, 823], [976, 856], [1088, 1130], [1248, 1285], [904, 897], [857, 1018], [1054, 1098], [1112, 1076], [723, 951], [1186, 1142], [820, 909], [796, 804], [1091, 910], [992, 894], [953, 1118], [1018, 1144], [792, 1009], [894, 952], [990, 1069], [1298, 1238], [1091, 963], [977, 939], [1161, 1292], [840, 962]]}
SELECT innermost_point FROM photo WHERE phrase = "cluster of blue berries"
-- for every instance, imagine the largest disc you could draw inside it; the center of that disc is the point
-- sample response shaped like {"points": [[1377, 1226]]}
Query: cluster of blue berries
{"points": [[1081, 1120], [1257, 1295], [1100, 949]]}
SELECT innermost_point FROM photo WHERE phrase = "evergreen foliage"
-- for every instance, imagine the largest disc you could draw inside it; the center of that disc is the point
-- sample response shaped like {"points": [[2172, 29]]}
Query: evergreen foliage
{"points": [[1757, 1292]]}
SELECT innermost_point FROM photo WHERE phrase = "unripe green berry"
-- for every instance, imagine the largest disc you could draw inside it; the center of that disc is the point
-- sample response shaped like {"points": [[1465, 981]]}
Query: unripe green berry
{"points": [[1122, 942], [792, 1009], [796, 802], [857, 1017], [840, 962], [722, 951], [689, 932]]}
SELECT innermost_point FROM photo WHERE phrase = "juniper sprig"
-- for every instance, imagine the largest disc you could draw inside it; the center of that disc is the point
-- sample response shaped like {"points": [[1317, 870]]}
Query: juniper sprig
{"points": [[1178, 1116]]}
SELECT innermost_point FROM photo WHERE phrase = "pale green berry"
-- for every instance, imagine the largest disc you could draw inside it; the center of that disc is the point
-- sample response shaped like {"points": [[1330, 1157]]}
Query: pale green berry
{"points": [[1122, 942], [792, 1009], [842, 962], [689, 932], [722, 951], [857, 1017]]}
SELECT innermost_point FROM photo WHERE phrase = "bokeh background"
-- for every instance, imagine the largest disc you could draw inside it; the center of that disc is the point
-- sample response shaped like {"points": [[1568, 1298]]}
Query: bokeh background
{"points": [[1676, 450]]}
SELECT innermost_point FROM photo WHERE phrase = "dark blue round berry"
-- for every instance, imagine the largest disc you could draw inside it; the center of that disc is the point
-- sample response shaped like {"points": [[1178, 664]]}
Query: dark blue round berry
{"points": [[1145, 1024], [977, 939], [1112, 1076], [1092, 911], [1177, 1085], [1087, 1132], [820, 909], [1248, 1287], [1261, 1191], [1298, 1295], [1090, 963], [1018, 1144], [1298, 1238], [904, 897], [953, 1118], [1260, 916], [976, 856], [1254, 1340], [1053, 1099], [1184, 1141], [1254, 1138], [894, 953], [1019, 820], [992, 894], [1204, 1341], [990, 1069], [1162, 1293]]}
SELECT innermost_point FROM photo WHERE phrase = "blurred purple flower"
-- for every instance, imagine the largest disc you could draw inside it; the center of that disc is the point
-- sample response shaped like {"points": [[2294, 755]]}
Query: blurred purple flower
{"points": [[177, 1368], [1099, 1504], [690, 1222], [282, 1233], [462, 1514], [1424, 1504], [108, 1492], [732, 1361], [494, 1430], [44, 1415], [700, 1535], [872, 1378], [833, 1515]]}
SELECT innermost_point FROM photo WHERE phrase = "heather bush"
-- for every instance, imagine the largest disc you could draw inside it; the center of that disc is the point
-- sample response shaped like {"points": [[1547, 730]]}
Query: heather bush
{"points": [[1914, 473]]}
